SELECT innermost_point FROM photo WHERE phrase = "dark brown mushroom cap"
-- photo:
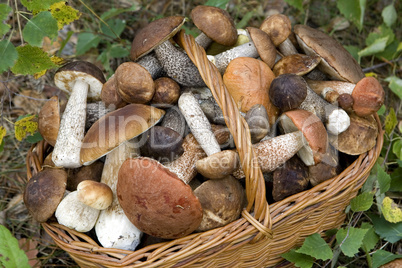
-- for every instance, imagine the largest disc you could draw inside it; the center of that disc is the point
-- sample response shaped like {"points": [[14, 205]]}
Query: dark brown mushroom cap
{"points": [[44, 192], [314, 133], [153, 34], [66, 76], [215, 23], [110, 96], [336, 60], [368, 96], [288, 91], [299, 64], [360, 137], [265, 48], [156, 201], [167, 92], [134, 83], [49, 120], [278, 27], [117, 127]]}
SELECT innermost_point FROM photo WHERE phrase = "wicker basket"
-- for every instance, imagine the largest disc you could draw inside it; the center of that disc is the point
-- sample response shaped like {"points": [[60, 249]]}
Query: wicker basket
{"points": [[259, 237]]}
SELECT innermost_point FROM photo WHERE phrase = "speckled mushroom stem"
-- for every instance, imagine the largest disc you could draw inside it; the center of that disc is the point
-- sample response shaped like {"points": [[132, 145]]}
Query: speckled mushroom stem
{"points": [[222, 60], [67, 149], [276, 151], [203, 40], [152, 65], [198, 123], [178, 65]]}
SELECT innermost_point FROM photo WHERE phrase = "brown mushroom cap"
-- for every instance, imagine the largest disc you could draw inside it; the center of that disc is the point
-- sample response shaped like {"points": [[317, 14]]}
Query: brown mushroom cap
{"points": [[336, 60], [109, 94], [248, 81], [278, 27], [288, 91], [95, 194], [221, 200], [116, 127], [360, 137], [264, 45], [91, 172], [216, 23], [167, 92], [156, 201], [218, 165], [299, 64], [87, 72], [314, 133], [368, 96], [153, 34], [49, 120], [44, 192], [134, 83]]}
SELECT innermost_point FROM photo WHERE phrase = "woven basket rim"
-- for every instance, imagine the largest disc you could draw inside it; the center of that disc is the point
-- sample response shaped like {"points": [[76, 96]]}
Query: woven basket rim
{"points": [[246, 230]]}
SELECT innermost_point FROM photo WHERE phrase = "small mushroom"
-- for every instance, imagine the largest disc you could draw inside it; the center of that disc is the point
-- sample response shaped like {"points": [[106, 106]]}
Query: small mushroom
{"points": [[328, 168], [91, 172], [287, 92], [258, 122], [82, 79], [49, 120], [134, 83], [336, 60], [175, 120], [289, 179], [43, 193], [266, 49], [218, 165], [156, 200], [248, 81], [279, 28], [110, 96], [299, 64], [155, 37], [167, 92], [95, 194], [215, 24]]}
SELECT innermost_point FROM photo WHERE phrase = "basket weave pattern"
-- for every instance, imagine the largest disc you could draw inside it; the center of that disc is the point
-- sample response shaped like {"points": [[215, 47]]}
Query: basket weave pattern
{"points": [[260, 236]]}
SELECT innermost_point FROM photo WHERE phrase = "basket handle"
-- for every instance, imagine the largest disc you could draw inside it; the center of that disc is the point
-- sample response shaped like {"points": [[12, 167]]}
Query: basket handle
{"points": [[255, 185]]}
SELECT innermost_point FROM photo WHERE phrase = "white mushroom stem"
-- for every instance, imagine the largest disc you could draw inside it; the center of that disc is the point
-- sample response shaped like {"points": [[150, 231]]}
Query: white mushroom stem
{"points": [[113, 228], [178, 65], [287, 48], [203, 40], [339, 86], [67, 149], [222, 60], [335, 118], [198, 123], [274, 152]]}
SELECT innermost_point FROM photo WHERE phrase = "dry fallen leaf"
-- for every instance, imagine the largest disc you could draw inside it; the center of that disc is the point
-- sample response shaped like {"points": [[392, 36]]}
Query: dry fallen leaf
{"points": [[29, 246]]}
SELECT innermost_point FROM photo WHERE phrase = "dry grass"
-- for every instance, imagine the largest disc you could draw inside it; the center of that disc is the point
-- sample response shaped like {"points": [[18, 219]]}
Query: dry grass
{"points": [[13, 213]]}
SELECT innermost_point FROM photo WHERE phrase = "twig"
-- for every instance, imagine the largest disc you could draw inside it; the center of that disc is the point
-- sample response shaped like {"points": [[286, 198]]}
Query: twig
{"points": [[18, 20], [368, 69]]}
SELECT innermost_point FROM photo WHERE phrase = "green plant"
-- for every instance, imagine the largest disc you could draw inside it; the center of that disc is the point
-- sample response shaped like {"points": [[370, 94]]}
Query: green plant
{"points": [[11, 256]]}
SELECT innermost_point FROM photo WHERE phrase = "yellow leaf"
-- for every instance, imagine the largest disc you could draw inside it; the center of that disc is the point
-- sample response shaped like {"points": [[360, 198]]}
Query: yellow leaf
{"points": [[41, 73], [57, 60], [391, 211], [64, 14], [371, 74], [24, 126], [3, 133]]}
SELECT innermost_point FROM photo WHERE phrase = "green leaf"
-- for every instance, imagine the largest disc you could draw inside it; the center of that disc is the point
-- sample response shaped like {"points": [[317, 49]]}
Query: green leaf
{"points": [[391, 232], [396, 180], [353, 10], [40, 26], [116, 27], [244, 21], [381, 257], [299, 259], [217, 3], [389, 15], [377, 47], [316, 247], [391, 211], [117, 51], [350, 240], [64, 14], [31, 60], [395, 84], [380, 32], [390, 52], [296, 4], [353, 50], [36, 137], [362, 202], [38, 5], [390, 121], [113, 12], [397, 148], [8, 55], [85, 42], [370, 238], [4, 12], [3, 133], [382, 110], [384, 179], [10, 253]]}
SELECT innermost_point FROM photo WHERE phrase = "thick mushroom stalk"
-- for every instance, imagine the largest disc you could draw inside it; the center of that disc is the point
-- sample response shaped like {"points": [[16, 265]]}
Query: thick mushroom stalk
{"points": [[84, 80]]}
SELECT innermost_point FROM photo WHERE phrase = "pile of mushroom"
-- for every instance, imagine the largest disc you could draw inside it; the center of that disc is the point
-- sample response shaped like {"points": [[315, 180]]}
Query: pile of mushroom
{"points": [[147, 152]]}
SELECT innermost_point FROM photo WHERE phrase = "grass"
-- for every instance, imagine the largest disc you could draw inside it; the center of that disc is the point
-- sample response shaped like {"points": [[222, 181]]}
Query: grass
{"points": [[13, 213]]}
